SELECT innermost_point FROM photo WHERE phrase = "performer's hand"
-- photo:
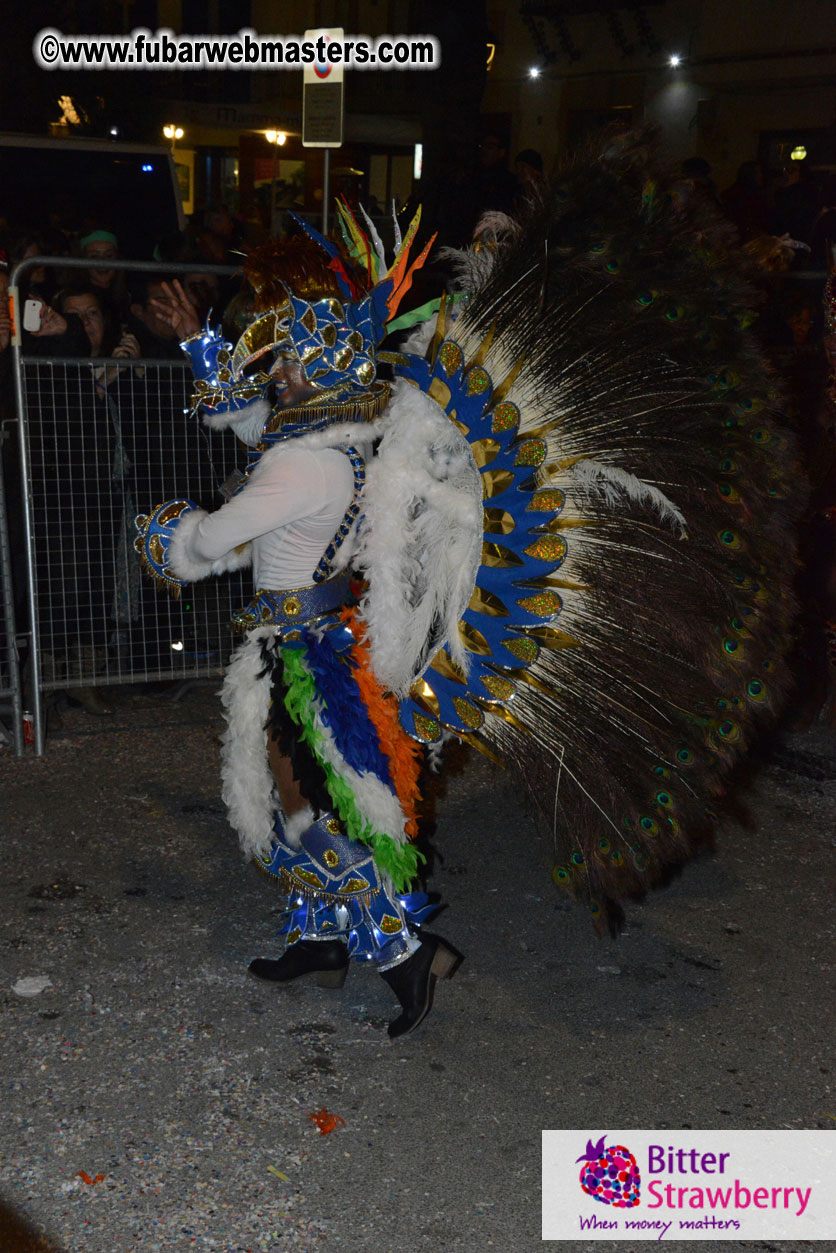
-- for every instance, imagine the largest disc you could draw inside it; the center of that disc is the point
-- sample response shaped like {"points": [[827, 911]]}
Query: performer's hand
{"points": [[177, 310]]}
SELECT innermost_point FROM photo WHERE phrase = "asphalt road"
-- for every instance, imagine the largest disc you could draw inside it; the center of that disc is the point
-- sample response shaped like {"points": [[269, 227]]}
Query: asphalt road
{"points": [[156, 1098]]}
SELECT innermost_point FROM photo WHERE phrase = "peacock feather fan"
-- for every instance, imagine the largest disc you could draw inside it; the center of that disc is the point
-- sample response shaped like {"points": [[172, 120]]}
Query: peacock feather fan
{"points": [[633, 604]]}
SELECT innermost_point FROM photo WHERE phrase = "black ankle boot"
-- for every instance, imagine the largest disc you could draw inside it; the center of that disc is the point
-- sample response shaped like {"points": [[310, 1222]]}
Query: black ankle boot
{"points": [[413, 981], [327, 959]]}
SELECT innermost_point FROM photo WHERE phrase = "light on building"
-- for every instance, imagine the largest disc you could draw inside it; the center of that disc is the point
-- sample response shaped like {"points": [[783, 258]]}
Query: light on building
{"points": [[418, 161], [177, 646], [534, 71], [798, 153], [275, 137], [674, 60], [173, 132]]}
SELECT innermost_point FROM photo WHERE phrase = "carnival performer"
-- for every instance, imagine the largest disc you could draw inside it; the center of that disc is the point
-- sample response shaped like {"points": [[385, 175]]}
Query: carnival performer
{"points": [[575, 536], [325, 796]]}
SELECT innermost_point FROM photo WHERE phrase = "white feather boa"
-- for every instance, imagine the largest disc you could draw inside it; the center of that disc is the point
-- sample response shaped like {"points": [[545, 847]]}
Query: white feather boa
{"points": [[420, 542]]}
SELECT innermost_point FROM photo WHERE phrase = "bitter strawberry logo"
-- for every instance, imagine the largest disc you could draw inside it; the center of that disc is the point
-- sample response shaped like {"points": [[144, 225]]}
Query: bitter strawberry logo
{"points": [[610, 1174]]}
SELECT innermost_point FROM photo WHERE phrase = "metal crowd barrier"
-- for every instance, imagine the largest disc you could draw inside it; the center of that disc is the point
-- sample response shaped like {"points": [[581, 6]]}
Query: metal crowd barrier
{"points": [[101, 440]]}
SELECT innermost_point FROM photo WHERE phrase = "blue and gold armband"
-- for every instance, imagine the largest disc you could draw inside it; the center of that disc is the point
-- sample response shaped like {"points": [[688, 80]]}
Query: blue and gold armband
{"points": [[155, 533]]}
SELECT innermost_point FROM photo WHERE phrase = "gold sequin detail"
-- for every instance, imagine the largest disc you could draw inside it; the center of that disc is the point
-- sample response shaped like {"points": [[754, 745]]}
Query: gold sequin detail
{"points": [[505, 417], [451, 357], [308, 876], [523, 648], [550, 548], [294, 935], [544, 604], [499, 557], [426, 729], [331, 858], [329, 335], [484, 451], [532, 452], [487, 602], [548, 500], [354, 885], [473, 640], [498, 521], [469, 714], [291, 606], [390, 925], [477, 381], [496, 481], [502, 689], [332, 826], [171, 512]]}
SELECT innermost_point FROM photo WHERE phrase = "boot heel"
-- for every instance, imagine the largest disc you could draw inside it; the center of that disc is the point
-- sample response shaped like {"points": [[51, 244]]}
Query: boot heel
{"points": [[331, 978], [445, 963]]}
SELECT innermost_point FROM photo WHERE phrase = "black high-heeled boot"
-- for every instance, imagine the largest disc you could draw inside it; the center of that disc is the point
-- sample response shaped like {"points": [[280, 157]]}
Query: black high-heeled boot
{"points": [[327, 959], [413, 981]]}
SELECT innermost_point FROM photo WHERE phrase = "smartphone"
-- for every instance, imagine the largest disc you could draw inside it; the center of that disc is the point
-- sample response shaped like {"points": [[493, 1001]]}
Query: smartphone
{"points": [[32, 315]]}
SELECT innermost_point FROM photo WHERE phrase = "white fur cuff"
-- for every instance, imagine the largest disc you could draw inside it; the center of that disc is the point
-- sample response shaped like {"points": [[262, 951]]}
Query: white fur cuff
{"points": [[184, 562]]}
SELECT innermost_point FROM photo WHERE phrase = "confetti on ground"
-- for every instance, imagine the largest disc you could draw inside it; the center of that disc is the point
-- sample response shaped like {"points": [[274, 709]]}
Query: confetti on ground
{"points": [[325, 1122], [32, 985], [278, 1174]]}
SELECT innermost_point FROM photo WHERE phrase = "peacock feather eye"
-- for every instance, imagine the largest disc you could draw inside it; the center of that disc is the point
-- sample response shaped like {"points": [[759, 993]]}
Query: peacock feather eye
{"points": [[663, 798], [727, 466], [730, 539], [561, 876], [731, 646], [646, 298], [756, 689], [599, 245], [603, 845], [577, 859], [617, 858], [660, 771], [685, 756], [628, 822], [674, 314], [649, 826], [613, 266], [762, 435]]}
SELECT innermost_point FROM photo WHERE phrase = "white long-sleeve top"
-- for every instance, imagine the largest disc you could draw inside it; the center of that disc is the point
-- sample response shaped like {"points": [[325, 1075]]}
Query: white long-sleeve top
{"points": [[286, 515]]}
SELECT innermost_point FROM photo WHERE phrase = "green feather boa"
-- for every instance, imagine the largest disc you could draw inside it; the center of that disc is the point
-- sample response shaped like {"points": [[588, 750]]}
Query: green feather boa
{"points": [[398, 861]]}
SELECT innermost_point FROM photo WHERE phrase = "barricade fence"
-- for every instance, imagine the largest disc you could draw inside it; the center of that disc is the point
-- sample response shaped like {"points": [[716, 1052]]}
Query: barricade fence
{"points": [[102, 440], [11, 695]]}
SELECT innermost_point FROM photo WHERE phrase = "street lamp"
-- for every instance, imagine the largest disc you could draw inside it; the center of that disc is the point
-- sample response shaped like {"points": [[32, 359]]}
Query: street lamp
{"points": [[173, 133], [275, 137]]}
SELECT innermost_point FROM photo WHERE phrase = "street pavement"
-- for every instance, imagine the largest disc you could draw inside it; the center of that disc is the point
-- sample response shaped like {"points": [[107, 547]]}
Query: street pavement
{"points": [[157, 1098]]}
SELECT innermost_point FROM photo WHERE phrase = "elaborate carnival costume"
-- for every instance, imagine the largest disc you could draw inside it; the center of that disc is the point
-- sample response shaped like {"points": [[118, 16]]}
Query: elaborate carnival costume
{"points": [[574, 542]]}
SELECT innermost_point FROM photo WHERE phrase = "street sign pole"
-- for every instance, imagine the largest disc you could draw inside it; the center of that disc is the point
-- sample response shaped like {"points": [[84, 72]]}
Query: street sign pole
{"points": [[322, 108]]}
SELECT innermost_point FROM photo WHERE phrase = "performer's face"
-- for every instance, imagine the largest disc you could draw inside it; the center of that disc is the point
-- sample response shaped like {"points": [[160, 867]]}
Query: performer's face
{"points": [[292, 388]]}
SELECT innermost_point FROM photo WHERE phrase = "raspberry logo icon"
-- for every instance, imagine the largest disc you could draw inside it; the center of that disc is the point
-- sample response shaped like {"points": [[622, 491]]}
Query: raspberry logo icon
{"points": [[610, 1174]]}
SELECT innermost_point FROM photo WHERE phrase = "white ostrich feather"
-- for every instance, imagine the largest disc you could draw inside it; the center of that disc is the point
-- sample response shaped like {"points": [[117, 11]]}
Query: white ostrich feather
{"points": [[597, 478]]}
